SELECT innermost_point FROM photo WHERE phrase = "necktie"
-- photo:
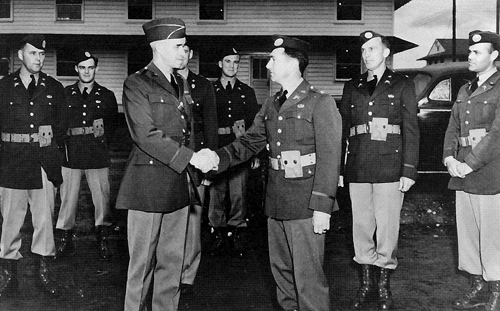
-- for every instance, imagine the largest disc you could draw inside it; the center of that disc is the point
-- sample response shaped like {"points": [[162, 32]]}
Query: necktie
{"points": [[473, 87], [282, 98], [228, 86], [372, 84], [174, 85], [32, 86], [84, 93]]}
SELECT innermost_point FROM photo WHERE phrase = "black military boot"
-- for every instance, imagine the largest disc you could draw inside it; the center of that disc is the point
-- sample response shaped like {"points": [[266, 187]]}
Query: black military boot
{"points": [[219, 241], [367, 286], [8, 277], [66, 247], [237, 241], [101, 235], [43, 276], [494, 301], [470, 300], [385, 301]]}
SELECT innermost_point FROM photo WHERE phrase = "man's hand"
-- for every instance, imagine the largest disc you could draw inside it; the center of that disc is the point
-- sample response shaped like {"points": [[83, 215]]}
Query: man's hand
{"points": [[405, 184], [205, 160], [321, 222], [456, 168]]}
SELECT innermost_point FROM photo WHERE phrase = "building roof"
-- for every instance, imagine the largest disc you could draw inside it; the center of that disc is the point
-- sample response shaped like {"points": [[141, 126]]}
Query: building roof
{"points": [[400, 3], [447, 44]]}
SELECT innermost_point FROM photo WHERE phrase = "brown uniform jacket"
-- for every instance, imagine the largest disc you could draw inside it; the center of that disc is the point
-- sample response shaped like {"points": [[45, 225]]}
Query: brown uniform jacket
{"points": [[478, 110], [155, 179], [375, 161], [308, 122], [21, 163]]}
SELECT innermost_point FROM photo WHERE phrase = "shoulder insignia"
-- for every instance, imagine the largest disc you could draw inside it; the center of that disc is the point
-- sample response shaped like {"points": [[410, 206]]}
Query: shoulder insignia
{"points": [[300, 106], [73, 93], [296, 96]]}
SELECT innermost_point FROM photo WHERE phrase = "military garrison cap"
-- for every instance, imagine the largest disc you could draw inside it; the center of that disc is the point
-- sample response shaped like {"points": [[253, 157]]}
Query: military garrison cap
{"points": [[228, 50], [164, 28], [37, 41], [288, 43], [478, 36], [83, 55]]}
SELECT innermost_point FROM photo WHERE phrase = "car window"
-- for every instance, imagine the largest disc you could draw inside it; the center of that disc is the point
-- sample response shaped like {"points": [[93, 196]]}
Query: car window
{"points": [[442, 91]]}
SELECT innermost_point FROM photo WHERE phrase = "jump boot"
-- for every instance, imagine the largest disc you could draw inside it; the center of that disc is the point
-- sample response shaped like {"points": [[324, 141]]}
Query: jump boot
{"points": [[494, 301], [470, 300], [101, 235], [367, 286], [8, 277], [66, 246], [385, 301], [43, 276], [219, 240], [237, 241]]}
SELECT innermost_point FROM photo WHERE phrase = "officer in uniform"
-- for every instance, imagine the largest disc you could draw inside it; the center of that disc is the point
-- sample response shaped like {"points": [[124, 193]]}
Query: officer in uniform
{"points": [[473, 161], [200, 94], [30, 169], [379, 115], [236, 109], [155, 187], [302, 128], [90, 111]]}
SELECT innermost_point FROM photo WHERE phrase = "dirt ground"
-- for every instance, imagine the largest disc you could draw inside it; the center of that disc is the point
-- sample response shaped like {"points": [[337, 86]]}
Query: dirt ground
{"points": [[426, 279]]}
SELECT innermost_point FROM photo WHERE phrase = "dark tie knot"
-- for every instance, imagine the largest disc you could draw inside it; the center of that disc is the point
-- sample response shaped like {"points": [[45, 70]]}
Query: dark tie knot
{"points": [[282, 98], [474, 85], [228, 86], [85, 93], [32, 85]]}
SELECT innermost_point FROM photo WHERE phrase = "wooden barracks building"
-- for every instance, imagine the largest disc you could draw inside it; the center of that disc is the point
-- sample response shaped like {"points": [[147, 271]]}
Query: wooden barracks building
{"points": [[112, 30]]}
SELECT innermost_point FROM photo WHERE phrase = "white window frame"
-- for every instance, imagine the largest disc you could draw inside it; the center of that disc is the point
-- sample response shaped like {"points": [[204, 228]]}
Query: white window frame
{"points": [[153, 13], [354, 21], [11, 18], [212, 21], [69, 20]]}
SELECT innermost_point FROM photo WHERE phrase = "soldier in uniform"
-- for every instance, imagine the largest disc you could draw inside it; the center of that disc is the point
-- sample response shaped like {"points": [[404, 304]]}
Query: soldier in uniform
{"points": [[156, 187], [236, 108], [30, 169], [302, 128], [90, 111], [200, 93], [473, 161], [379, 115]]}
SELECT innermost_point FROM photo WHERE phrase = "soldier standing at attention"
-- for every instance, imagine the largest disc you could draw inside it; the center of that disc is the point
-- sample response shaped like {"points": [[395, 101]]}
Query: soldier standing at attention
{"points": [[91, 112], [157, 188], [379, 119], [30, 170], [236, 109], [200, 93], [472, 157], [303, 130]]}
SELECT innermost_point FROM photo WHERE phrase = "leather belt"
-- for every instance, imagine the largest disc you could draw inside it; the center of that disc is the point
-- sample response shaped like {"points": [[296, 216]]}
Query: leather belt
{"points": [[225, 130], [305, 160], [365, 128], [80, 131], [469, 141], [20, 138]]}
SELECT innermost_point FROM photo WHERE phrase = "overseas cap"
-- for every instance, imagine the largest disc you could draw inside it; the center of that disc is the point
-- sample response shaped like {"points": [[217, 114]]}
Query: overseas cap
{"points": [[164, 28], [366, 36], [83, 55], [287, 43], [37, 41], [478, 36], [228, 50]]}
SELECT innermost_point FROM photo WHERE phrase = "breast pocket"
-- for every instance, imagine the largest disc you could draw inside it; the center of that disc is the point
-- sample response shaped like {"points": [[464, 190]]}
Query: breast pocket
{"points": [[299, 126], [163, 109], [388, 108]]}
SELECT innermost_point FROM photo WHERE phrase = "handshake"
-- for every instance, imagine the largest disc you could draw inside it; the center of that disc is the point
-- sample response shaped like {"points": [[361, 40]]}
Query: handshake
{"points": [[205, 160]]}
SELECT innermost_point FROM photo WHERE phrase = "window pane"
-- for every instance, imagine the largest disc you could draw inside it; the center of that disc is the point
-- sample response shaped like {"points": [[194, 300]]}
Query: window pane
{"points": [[259, 68], [4, 8], [348, 63], [441, 91], [208, 66], [69, 9], [211, 9], [66, 62], [349, 9], [140, 9]]}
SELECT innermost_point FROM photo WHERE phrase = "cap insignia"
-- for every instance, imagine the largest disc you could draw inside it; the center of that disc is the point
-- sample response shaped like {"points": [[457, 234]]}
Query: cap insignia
{"points": [[43, 44], [476, 38], [278, 42], [87, 54], [368, 35]]}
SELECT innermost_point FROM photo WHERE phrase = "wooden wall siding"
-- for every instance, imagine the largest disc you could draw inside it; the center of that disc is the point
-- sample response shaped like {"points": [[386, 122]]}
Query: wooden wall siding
{"points": [[257, 17]]}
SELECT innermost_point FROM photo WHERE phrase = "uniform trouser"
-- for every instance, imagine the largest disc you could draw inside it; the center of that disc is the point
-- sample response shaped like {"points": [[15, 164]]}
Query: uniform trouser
{"points": [[236, 181], [98, 181], [376, 208], [192, 255], [478, 218], [296, 255], [14, 207], [156, 244]]}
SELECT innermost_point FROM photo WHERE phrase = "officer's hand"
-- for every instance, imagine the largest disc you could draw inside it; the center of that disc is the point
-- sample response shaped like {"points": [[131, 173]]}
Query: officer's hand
{"points": [[321, 222], [452, 166], [341, 181], [405, 184], [464, 169], [255, 163], [205, 160]]}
